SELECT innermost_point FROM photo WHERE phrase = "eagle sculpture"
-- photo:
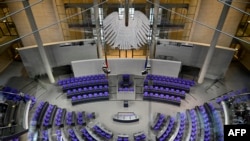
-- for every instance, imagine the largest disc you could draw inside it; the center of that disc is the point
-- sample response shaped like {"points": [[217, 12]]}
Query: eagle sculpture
{"points": [[133, 36]]}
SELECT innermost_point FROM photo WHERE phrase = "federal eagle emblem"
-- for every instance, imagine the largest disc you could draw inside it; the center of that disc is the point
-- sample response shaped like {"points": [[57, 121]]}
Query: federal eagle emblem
{"points": [[133, 36]]}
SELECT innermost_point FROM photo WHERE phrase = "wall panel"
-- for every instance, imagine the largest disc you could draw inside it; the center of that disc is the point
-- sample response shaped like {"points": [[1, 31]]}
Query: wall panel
{"points": [[57, 56], [126, 66], [195, 56]]}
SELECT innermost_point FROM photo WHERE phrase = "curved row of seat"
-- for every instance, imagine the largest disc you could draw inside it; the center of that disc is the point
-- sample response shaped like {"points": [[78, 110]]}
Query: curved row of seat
{"points": [[217, 122], [49, 116], [15, 95], [91, 115], [86, 90], [206, 119], [170, 85], [210, 111], [165, 91], [241, 99], [170, 79], [140, 136], [60, 117], [88, 135], [232, 94], [162, 98], [70, 118], [81, 79], [180, 133], [122, 137], [72, 135], [39, 113], [171, 128], [167, 129], [194, 122], [203, 122], [102, 132], [59, 135], [45, 135], [206, 122], [90, 98], [158, 121], [81, 118], [84, 84]]}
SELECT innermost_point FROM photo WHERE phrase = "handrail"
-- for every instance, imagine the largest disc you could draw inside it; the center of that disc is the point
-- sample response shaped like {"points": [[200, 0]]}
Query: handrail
{"points": [[26, 114], [242, 94], [50, 134], [76, 133], [63, 135], [178, 120], [200, 118], [162, 131], [213, 123], [189, 130], [92, 134], [226, 109], [226, 112]]}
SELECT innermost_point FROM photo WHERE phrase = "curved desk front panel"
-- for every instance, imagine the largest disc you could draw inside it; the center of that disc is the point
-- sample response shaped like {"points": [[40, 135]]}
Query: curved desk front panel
{"points": [[126, 66], [125, 117]]}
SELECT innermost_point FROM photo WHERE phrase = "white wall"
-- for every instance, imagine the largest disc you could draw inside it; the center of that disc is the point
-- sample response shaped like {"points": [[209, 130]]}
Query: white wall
{"points": [[191, 56], [57, 56], [126, 66], [195, 56]]}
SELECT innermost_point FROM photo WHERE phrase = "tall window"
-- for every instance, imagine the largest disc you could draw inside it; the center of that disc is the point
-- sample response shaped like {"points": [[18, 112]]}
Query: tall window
{"points": [[7, 26]]}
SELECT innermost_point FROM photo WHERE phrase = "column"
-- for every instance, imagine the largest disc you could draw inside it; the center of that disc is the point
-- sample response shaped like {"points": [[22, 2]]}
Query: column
{"points": [[214, 41], [154, 29], [38, 39], [98, 29], [126, 12]]}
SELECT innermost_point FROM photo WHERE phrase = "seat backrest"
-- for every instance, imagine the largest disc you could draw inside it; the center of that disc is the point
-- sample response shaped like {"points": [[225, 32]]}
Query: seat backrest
{"points": [[125, 77]]}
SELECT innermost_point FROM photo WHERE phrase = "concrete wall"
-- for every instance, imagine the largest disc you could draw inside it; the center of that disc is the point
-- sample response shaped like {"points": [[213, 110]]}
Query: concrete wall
{"points": [[126, 66], [195, 56], [57, 55], [209, 13], [190, 56], [44, 14]]}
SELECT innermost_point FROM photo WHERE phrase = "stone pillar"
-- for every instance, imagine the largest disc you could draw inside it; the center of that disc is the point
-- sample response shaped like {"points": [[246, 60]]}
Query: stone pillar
{"points": [[213, 43], [98, 29], [38, 40], [154, 29]]}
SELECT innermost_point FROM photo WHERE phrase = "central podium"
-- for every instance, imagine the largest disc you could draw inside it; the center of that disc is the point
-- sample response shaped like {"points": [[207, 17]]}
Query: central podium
{"points": [[126, 87]]}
